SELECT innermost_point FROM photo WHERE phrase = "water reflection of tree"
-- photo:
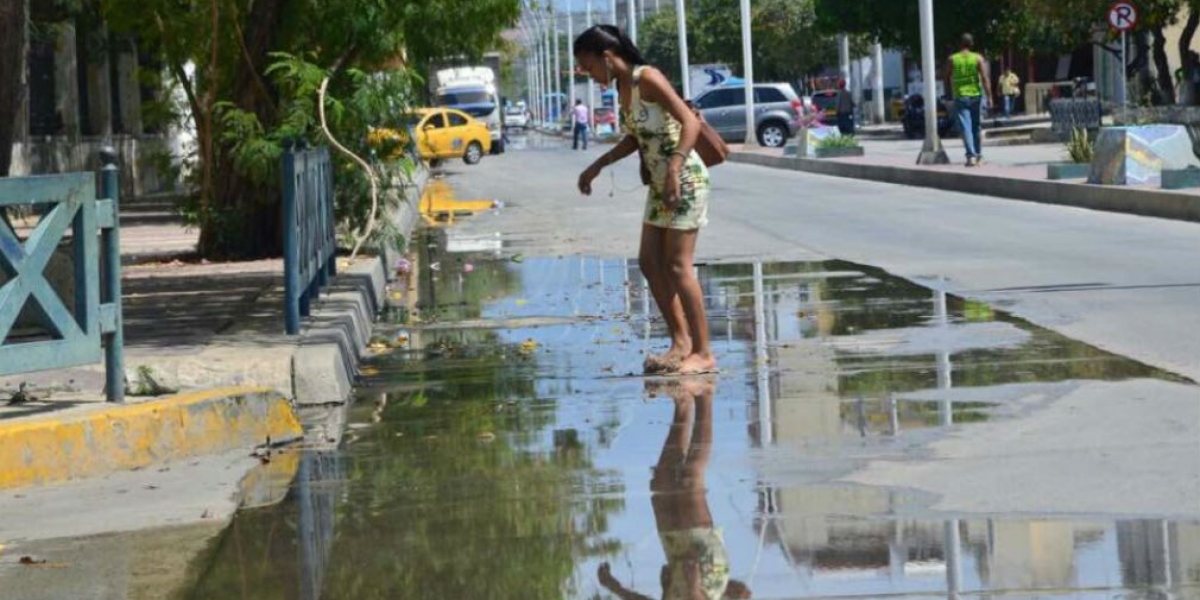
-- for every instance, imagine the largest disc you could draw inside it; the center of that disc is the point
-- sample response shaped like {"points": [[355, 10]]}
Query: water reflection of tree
{"points": [[459, 492], [449, 290]]}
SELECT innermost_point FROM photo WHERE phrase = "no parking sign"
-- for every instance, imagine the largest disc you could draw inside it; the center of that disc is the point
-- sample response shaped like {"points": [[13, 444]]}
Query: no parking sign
{"points": [[1123, 16]]}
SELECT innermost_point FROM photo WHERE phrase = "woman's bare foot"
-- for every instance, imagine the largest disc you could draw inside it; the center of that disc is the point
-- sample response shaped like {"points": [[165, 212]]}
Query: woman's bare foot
{"points": [[669, 361], [697, 364]]}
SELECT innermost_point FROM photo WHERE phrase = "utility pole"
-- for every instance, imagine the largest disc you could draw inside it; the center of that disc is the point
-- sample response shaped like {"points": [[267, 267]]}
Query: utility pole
{"points": [[681, 25], [557, 65], [570, 55], [547, 79], [932, 153], [631, 19], [590, 83], [877, 82], [748, 62]]}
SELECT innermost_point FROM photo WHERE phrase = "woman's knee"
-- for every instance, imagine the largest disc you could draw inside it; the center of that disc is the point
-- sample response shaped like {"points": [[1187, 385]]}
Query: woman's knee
{"points": [[680, 270]]}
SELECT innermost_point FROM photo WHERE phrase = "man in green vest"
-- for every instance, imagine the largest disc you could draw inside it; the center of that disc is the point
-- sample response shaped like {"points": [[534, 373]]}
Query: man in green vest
{"points": [[968, 81]]}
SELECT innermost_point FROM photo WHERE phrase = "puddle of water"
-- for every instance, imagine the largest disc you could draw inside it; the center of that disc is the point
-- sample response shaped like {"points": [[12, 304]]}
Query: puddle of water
{"points": [[514, 461]]}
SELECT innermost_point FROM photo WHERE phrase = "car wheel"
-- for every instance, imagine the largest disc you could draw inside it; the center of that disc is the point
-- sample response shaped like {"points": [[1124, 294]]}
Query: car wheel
{"points": [[473, 154], [773, 134]]}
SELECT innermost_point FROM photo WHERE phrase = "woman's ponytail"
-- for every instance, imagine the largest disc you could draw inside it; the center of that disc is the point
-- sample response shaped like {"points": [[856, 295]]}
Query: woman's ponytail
{"points": [[599, 39]]}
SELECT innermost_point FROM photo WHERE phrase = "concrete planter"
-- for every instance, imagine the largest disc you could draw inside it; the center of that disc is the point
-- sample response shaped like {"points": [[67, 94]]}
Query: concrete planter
{"points": [[1138, 155], [820, 152], [1067, 170], [1180, 179]]}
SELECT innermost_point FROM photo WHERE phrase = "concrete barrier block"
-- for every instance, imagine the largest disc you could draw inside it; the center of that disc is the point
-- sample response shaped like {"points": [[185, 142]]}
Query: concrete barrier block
{"points": [[1139, 154], [122, 437], [1179, 179], [1066, 170]]}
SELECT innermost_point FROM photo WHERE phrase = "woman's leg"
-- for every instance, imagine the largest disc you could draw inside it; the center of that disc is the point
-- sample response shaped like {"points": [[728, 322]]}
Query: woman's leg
{"points": [[652, 258], [681, 251]]}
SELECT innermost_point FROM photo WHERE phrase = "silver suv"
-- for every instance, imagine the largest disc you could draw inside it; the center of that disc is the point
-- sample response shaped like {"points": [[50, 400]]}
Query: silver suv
{"points": [[777, 111]]}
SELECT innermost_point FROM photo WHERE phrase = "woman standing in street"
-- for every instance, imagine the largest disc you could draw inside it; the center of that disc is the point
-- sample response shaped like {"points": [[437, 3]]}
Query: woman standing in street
{"points": [[658, 124]]}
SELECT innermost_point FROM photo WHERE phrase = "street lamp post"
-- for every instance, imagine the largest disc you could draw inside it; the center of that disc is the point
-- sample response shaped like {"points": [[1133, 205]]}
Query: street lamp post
{"points": [[748, 62], [932, 152], [557, 65], [631, 19], [877, 82], [681, 25], [591, 101], [547, 78], [570, 55]]}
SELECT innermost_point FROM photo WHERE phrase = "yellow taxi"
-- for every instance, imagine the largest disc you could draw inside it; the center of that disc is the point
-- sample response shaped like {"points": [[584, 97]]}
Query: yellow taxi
{"points": [[442, 133]]}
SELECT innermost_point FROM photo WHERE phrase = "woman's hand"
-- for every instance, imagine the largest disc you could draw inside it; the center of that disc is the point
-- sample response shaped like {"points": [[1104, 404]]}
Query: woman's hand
{"points": [[604, 574], [586, 177], [672, 186]]}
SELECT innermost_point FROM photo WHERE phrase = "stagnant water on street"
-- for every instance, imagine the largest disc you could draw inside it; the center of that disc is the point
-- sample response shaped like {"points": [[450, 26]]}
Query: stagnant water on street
{"points": [[506, 450]]}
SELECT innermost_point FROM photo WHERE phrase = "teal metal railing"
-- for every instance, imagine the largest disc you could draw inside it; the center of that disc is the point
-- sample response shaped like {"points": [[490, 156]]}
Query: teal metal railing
{"points": [[309, 238], [40, 329]]}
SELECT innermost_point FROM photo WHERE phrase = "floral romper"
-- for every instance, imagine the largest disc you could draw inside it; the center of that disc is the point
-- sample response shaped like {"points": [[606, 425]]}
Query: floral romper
{"points": [[658, 134]]}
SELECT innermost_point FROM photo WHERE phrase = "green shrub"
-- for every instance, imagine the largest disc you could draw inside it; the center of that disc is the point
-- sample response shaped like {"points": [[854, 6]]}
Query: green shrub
{"points": [[1080, 146], [838, 141]]}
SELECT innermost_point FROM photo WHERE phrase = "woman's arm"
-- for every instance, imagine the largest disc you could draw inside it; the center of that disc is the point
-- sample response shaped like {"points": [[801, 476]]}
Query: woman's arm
{"points": [[628, 145], [611, 584]]}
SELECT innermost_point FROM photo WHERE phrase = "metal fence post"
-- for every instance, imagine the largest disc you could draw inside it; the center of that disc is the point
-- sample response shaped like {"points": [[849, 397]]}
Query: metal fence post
{"points": [[291, 253], [110, 239]]}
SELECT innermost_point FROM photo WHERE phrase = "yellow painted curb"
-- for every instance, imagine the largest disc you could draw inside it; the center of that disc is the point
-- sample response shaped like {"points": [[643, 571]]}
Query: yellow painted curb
{"points": [[92, 441]]}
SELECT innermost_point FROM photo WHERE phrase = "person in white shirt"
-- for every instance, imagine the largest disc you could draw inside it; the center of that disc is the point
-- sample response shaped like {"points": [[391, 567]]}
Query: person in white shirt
{"points": [[582, 117]]}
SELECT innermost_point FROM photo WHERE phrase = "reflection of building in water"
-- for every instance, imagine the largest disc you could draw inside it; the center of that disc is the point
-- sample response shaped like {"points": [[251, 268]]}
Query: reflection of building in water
{"points": [[835, 534], [1159, 553], [1023, 554]]}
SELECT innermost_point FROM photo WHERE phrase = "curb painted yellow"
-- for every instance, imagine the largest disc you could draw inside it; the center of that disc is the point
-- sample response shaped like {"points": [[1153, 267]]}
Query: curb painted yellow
{"points": [[90, 441]]}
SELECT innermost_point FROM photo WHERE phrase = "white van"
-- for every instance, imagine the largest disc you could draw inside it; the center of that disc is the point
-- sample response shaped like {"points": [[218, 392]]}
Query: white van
{"points": [[473, 91]]}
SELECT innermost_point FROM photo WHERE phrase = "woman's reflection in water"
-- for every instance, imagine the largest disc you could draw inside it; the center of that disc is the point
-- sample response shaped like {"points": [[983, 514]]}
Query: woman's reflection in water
{"points": [[697, 567]]}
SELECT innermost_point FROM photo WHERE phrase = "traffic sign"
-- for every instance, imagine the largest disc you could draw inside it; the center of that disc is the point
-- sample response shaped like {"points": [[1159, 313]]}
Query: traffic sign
{"points": [[1123, 16]]}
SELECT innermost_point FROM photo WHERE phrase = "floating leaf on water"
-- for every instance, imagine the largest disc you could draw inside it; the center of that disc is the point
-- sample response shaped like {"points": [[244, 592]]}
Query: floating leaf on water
{"points": [[487, 437]]}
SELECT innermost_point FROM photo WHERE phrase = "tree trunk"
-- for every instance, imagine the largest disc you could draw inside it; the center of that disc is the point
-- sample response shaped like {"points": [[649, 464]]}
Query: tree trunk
{"points": [[245, 219], [12, 62], [1189, 59], [1165, 81], [1139, 69]]}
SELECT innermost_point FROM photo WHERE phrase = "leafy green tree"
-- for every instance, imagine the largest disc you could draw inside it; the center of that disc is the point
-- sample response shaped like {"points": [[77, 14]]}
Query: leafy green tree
{"points": [[897, 24], [12, 45], [232, 44], [787, 45], [1065, 24]]}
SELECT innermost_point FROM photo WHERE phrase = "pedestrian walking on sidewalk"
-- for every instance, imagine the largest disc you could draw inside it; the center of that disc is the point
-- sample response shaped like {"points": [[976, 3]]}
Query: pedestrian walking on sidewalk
{"points": [[845, 109], [582, 117], [967, 79], [659, 127], [1010, 87]]}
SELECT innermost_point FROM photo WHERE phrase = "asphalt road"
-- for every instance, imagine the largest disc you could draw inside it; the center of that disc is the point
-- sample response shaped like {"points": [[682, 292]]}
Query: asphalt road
{"points": [[1127, 284]]}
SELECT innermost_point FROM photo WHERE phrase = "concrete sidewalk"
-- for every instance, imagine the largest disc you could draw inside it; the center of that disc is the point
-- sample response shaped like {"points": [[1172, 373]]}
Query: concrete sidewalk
{"points": [[193, 329], [1014, 172]]}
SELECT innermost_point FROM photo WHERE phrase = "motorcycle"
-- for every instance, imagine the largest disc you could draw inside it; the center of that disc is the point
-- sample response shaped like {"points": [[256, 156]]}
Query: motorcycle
{"points": [[913, 118]]}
